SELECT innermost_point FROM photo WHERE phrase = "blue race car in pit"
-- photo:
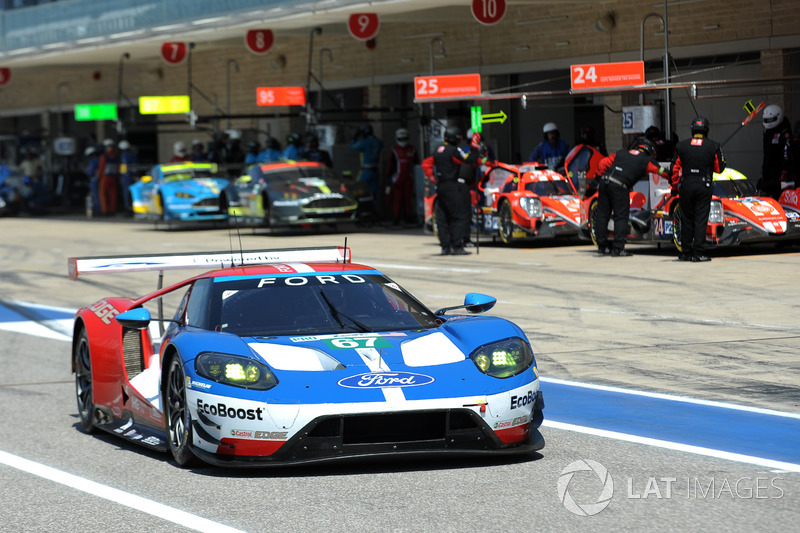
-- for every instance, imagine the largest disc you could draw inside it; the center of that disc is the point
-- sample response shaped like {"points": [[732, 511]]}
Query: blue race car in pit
{"points": [[179, 192], [293, 356]]}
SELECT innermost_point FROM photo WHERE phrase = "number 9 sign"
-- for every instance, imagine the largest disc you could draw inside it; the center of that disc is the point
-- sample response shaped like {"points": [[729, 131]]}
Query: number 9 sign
{"points": [[363, 26]]}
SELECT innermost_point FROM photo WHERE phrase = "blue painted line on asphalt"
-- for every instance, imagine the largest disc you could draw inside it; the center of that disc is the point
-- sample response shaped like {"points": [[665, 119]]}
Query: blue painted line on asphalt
{"points": [[723, 427]]}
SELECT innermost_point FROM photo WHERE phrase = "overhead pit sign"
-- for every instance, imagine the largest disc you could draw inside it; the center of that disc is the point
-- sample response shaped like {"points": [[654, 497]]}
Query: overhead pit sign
{"points": [[607, 75], [443, 86], [157, 105]]}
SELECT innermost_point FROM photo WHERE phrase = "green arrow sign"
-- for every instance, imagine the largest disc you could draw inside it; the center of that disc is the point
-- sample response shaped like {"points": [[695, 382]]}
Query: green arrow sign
{"points": [[494, 117]]}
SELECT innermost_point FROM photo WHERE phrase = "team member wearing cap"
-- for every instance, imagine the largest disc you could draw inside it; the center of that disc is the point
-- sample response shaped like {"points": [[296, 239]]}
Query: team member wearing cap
{"points": [[452, 217], [621, 170], [693, 168], [552, 149]]}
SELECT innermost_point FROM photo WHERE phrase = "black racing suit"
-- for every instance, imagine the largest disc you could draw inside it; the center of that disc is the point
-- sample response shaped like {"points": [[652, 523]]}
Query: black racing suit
{"points": [[453, 205], [695, 162], [778, 155], [621, 170]]}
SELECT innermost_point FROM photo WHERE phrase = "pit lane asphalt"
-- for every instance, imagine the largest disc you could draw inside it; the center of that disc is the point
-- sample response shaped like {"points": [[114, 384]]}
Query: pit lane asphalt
{"points": [[721, 331]]}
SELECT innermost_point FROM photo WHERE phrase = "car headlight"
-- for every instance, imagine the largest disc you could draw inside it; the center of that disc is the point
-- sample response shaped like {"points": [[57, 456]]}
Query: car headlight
{"points": [[532, 206], [235, 370], [715, 214], [503, 359]]}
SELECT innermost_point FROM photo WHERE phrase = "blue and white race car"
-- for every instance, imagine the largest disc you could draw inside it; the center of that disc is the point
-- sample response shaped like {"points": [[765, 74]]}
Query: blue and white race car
{"points": [[180, 192], [293, 356]]}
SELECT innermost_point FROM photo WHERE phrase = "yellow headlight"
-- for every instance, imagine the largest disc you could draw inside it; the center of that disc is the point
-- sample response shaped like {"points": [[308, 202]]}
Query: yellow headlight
{"points": [[234, 372], [252, 373], [483, 362]]}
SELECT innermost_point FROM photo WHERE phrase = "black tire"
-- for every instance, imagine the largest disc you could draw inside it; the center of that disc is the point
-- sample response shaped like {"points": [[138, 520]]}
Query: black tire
{"points": [[593, 223], [267, 220], [433, 220], [676, 227], [505, 223], [176, 413], [84, 390]]}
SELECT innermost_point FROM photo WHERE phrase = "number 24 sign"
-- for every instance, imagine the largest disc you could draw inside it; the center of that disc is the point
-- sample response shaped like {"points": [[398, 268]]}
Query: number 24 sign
{"points": [[604, 75]]}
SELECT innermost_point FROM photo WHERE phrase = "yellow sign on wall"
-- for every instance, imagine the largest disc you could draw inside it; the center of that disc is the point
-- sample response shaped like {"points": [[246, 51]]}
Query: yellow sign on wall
{"points": [[158, 105]]}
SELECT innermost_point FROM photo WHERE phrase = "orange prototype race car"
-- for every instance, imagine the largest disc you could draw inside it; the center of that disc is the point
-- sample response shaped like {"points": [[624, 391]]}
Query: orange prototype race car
{"points": [[528, 201]]}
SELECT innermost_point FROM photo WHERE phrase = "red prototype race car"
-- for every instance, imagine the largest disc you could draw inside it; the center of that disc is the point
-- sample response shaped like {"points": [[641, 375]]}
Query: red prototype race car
{"points": [[528, 201], [738, 215], [518, 202]]}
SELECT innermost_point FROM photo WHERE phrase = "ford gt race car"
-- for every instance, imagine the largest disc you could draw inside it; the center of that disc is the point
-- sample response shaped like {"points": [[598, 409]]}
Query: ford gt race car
{"points": [[529, 201], [737, 216], [296, 194], [179, 192], [291, 356]]}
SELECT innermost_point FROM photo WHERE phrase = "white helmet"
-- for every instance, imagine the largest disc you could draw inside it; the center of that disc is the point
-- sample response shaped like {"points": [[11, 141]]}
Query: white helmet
{"points": [[550, 126], [89, 151], [401, 136], [179, 148], [124, 145], [108, 143], [773, 115]]}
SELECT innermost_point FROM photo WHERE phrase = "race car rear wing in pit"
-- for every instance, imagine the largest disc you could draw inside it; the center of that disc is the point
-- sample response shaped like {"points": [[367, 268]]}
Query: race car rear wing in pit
{"points": [[115, 264]]}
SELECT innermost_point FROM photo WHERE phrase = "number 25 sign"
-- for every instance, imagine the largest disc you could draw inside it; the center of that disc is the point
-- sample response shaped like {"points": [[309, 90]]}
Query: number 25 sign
{"points": [[454, 85]]}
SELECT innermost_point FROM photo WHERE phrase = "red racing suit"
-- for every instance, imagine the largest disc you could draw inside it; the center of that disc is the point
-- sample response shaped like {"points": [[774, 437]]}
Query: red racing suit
{"points": [[401, 173]]}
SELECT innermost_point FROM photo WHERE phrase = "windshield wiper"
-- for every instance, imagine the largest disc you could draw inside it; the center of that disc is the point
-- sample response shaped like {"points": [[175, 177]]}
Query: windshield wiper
{"points": [[337, 315]]}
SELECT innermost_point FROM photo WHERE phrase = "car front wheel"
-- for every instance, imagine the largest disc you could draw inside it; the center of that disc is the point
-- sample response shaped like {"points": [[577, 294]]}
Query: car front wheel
{"points": [[593, 223], [176, 412], [676, 227], [83, 383], [506, 223]]}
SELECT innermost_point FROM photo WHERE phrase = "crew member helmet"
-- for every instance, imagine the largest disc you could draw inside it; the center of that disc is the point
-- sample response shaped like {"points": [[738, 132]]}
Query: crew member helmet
{"points": [[90, 150], [366, 129], [108, 143], [452, 135], [293, 138], [401, 136], [699, 125], [643, 144], [772, 116], [549, 127], [179, 148], [124, 145]]}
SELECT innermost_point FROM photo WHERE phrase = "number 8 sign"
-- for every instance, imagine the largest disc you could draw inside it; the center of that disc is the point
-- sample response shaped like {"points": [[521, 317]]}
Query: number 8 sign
{"points": [[363, 26], [259, 41]]}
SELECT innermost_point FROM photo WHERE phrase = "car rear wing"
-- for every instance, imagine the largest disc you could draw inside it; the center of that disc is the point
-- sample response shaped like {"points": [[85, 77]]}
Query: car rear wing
{"points": [[114, 264]]}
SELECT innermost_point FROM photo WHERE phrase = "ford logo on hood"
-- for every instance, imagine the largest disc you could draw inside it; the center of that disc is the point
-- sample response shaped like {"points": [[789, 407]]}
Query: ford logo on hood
{"points": [[379, 380]]}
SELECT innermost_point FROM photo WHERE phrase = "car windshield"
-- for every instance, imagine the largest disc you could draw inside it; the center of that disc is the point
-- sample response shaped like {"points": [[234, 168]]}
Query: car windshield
{"points": [[548, 188], [314, 304], [733, 188], [299, 174], [187, 174]]}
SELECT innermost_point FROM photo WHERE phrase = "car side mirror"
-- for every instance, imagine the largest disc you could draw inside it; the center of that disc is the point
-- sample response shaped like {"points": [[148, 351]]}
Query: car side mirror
{"points": [[138, 318], [474, 302]]}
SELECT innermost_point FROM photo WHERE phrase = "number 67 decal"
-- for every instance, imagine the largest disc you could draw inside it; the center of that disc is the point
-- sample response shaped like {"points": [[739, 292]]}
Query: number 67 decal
{"points": [[344, 343]]}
